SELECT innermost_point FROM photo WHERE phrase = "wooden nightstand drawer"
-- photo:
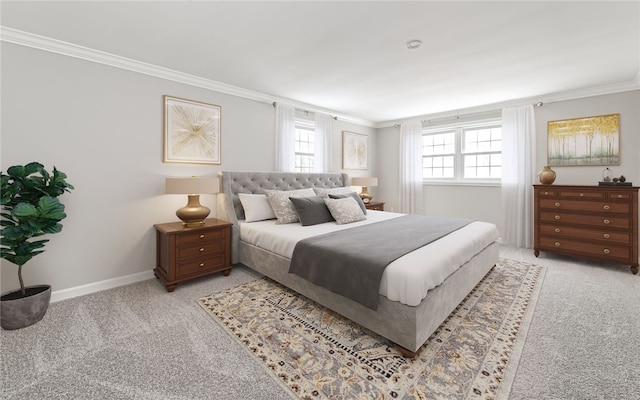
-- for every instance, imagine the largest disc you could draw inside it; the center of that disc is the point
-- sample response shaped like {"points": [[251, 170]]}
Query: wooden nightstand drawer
{"points": [[203, 250], [211, 264], [374, 205], [193, 239]]}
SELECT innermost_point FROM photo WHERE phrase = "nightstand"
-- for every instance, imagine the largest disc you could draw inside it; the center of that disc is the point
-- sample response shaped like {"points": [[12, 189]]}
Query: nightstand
{"points": [[184, 253], [373, 205]]}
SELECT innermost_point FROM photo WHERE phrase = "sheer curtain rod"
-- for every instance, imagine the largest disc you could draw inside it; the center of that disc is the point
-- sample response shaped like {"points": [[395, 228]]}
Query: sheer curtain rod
{"points": [[274, 104], [426, 121]]}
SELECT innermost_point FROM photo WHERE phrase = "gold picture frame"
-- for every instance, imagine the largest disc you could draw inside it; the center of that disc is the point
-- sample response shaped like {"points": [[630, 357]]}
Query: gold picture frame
{"points": [[191, 131], [354, 150], [584, 141]]}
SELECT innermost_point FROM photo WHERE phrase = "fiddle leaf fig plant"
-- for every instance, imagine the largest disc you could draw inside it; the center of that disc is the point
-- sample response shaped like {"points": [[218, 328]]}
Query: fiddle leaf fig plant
{"points": [[30, 209]]}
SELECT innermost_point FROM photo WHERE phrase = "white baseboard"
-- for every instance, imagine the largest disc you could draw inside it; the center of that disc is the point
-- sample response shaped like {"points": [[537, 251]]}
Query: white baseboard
{"points": [[64, 294]]}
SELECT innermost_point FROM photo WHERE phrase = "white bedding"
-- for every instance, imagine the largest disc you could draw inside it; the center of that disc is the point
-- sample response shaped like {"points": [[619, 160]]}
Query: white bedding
{"points": [[408, 278]]}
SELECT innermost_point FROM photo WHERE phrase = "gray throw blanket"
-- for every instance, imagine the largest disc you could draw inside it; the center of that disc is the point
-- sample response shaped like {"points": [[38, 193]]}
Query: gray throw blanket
{"points": [[351, 262]]}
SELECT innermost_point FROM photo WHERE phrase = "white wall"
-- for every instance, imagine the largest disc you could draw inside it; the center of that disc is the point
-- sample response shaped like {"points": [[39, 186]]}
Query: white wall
{"points": [[484, 203], [103, 127]]}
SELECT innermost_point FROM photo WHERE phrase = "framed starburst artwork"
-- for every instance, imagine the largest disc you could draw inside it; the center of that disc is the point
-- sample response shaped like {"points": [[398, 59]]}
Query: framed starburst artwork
{"points": [[191, 131]]}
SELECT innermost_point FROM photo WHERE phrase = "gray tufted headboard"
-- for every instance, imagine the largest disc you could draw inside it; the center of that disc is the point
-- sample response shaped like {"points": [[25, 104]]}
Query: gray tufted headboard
{"points": [[230, 209]]}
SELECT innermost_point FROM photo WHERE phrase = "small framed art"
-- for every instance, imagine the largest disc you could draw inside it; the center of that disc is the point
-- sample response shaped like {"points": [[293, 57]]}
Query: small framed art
{"points": [[191, 131], [354, 150]]}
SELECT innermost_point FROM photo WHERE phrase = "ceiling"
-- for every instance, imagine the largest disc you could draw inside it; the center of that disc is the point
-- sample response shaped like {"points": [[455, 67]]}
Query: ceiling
{"points": [[351, 57]]}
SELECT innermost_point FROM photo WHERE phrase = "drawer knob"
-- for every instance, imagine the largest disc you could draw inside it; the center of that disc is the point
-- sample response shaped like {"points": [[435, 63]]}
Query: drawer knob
{"points": [[607, 251], [201, 265], [202, 236], [557, 204], [619, 196], [606, 221], [546, 193], [581, 194], [201, 249], [557, 217], [607, 207], [557, 230], [557, 244], [606, 236]]}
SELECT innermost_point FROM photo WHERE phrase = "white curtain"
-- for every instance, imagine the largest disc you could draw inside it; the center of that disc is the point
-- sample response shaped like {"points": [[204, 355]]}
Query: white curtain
{"points": [[411, 168], [518, 173], [285, 138], [322, 139]]}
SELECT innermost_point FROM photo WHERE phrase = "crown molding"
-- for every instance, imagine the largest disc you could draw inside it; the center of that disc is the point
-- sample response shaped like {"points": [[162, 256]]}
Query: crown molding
{"points": [[27, 39]]}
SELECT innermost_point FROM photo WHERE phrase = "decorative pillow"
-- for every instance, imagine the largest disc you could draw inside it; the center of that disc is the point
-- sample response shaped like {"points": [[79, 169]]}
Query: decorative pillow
{"points": [[324, 192], [256, 207], [282, 206], [345, 210], [355, 196], [311, 210]]}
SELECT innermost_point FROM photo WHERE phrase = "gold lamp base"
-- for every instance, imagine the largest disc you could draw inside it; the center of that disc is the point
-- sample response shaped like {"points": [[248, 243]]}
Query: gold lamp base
{"points": [[193, 214], [365, 195]]}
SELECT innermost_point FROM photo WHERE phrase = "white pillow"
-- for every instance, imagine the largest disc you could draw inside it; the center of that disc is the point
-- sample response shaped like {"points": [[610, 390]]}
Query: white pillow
{"points": [[345, 211], [283, 207], [256, 207], [324, 192]]}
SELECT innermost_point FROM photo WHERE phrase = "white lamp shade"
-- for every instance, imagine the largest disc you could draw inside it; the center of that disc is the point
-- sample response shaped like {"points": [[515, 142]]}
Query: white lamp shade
{"points": [[191, 185], [364, 181]]}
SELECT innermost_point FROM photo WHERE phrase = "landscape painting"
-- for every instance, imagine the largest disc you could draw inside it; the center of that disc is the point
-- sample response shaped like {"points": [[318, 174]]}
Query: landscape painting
{"points": [[584, 141]]}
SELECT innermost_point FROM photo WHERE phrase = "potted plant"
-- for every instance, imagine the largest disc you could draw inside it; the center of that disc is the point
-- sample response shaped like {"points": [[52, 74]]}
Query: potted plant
{"points": [[30, 209]]}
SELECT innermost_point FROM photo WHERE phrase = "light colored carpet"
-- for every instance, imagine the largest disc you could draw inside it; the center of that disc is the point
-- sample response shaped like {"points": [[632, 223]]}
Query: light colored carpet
{"points": [[140, 342], [319, 354]]}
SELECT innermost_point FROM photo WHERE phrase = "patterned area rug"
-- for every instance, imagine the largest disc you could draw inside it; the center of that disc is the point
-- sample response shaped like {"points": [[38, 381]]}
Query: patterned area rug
{"points": [[317, 353]]}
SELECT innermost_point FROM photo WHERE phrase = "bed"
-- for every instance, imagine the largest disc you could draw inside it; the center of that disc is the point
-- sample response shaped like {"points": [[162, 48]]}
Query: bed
{"points": [[405, 318]]}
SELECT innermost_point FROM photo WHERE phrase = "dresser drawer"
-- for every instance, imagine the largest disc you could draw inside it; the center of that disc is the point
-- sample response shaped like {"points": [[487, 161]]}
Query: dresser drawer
{"points": [[198, 267], [564, 231], [591, 220], [579, 194], [546, 193], [619, 195], [193, 239], [589, 206], [185, 253], [596, 249]]}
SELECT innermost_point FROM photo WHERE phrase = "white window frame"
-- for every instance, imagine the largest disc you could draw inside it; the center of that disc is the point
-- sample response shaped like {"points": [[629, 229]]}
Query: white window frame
{"points": [[458, 175], [307, 125]]}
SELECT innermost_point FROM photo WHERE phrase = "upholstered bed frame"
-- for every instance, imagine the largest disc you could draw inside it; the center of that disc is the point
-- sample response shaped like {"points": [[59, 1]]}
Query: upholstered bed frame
{"points": [[408, 327]]}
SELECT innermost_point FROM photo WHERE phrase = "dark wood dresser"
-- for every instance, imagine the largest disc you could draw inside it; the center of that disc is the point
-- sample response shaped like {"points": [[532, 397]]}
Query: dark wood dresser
{"points": [[597, 222]]}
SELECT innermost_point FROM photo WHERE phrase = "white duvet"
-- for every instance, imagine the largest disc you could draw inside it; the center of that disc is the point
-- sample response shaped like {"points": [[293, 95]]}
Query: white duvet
{"points": [[408, 278]]}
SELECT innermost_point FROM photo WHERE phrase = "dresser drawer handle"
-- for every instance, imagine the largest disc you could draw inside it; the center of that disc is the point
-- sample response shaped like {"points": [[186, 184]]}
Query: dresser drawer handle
{"points": [[201, 265], [546, 193], [202, 236], [606, 236], [201, 249], [557, 204], [607, 251], [557, 244], [606, 221], [607, 207], [557, 217], [581, 194], [557, 230], [619, 196]]}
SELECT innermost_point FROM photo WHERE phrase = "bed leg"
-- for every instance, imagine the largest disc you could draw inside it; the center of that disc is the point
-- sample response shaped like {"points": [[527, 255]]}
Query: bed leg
{"points": [[406, 353]]}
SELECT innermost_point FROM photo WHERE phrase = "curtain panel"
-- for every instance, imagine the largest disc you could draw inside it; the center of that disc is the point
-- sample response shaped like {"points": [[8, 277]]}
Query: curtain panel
{"points": [[285, 138], [322, 140], [518, 172], [411, 168]]}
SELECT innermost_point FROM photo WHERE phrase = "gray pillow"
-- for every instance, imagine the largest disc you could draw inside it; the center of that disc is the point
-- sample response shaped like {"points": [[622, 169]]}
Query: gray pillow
{"points": [[311, 210], [345, 211], [352, 194]]}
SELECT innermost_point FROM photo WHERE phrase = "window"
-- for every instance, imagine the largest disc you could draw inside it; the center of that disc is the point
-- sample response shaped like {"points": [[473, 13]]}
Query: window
{"points": [[304, 145], [463, 154]]}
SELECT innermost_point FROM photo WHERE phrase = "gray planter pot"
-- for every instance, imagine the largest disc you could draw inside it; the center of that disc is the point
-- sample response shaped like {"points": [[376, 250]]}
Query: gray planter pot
{"points": [[19, 312]]}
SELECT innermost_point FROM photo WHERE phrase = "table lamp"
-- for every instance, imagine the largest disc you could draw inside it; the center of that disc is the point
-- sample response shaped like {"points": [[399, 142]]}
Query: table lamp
{"points": [[365, 182], [193, 214]]}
